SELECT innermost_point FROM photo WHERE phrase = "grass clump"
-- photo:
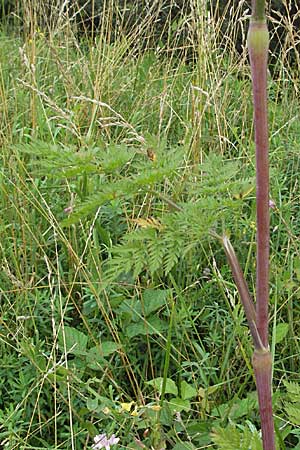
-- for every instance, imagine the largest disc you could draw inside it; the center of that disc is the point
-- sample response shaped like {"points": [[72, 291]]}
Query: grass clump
{"points": [[118, 313]]}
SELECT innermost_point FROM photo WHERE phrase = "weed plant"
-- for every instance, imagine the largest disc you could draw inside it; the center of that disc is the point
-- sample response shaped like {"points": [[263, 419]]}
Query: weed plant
{"points": [[119, 160]]}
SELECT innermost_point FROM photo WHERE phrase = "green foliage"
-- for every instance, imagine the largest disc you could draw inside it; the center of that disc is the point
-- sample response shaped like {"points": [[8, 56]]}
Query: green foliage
{"points": [[140, 316], [109, 192], [51, 159], [163, 242], [170, 388], [281, 332], [174, 229], [292, 406], [231, 438]]}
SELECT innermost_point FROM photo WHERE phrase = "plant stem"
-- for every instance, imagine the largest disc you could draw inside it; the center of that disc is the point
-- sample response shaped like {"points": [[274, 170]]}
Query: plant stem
{"points": [[262, 365], [243, 290], [258, 10], [258, 43]]}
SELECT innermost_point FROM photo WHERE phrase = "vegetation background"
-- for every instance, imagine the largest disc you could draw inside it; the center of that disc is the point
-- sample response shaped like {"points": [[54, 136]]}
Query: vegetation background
{"points": [[126, 142]]}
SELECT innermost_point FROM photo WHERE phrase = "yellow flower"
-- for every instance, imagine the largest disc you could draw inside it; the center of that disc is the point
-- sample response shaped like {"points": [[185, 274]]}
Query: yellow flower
{"points": [[126, 406]]}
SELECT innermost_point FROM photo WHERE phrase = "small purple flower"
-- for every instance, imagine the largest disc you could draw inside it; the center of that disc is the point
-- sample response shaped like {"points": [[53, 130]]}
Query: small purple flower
{"points": [[101, 441], [272, 204], [68, 210]]}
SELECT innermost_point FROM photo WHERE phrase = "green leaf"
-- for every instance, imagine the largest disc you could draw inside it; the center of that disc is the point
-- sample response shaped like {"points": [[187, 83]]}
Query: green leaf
{"points": [[109, 347], [154, 299], [293, 412], [199, 431], [92, 404], [91, 428], [184, 446], [116, 157], [146, 327], [281, 332], [237, 408], [230, 438], [72, 341], [297, 267], [293, 390], [178, 404], [187, 390], [166, 415], [95, 356], [171, 387]]}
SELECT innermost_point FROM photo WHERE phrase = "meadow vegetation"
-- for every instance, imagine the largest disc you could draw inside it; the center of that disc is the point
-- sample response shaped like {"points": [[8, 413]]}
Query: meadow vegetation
{"points": [[120, 160]]}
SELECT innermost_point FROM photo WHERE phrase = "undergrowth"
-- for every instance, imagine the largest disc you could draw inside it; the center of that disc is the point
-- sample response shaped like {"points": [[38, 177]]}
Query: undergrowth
{"points": [[119, 164]]}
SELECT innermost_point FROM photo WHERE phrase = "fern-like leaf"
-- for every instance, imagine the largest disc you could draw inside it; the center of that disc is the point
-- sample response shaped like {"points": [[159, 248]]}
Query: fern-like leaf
{"points": [[230, 438]]}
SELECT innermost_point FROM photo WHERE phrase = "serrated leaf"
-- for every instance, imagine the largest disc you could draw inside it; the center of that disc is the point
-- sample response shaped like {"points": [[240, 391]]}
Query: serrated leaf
{"points": [[148, 222], [230, 438], [293, 390], [188, 391], [293, 411], [170, 388], [124, 188], [72, 341], [281, 332], [115, 157]]}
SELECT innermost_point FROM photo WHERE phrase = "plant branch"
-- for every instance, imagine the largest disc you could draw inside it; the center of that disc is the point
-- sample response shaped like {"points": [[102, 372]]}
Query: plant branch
{"points": [[243, 290]]}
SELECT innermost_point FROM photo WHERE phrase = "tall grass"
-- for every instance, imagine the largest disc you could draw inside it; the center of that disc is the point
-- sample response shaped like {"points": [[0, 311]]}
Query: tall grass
{"points": [[157, 359]]}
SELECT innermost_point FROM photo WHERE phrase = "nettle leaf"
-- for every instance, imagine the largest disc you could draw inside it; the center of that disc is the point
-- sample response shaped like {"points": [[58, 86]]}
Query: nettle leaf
{"points": [[157, 383], [72, 341], [281, 331]]}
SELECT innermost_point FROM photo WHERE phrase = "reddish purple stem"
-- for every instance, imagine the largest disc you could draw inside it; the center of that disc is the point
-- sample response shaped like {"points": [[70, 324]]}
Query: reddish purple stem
{"points": [[259, 83]]}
